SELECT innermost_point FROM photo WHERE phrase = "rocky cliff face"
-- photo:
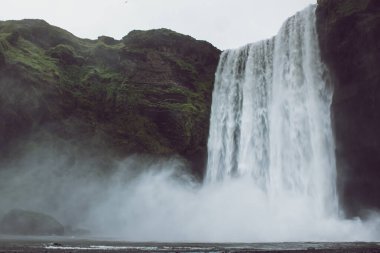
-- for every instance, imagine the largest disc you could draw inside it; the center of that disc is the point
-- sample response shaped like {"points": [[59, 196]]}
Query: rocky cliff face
{"points": [[148, 93], [349, 32]]}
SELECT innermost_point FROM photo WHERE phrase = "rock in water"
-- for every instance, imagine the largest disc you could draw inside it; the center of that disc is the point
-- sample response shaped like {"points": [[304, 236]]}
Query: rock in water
{"points": [[22, 222]]}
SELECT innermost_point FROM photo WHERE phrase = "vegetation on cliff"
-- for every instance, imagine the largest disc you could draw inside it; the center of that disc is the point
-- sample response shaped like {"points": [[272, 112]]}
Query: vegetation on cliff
{"points": [[147, 93]]}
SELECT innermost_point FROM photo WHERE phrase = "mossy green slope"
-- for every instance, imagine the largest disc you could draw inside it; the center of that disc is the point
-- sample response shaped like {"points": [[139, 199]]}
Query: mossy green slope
{"points": [[147, 93]]}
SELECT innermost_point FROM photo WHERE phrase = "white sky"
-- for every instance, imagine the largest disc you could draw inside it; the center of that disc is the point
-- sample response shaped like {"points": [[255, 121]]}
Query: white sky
{"points": [[224, 23]]}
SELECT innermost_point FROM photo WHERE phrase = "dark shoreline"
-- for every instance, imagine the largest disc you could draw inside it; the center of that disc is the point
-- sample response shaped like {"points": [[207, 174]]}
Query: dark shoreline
{"points": [[93, 245]]}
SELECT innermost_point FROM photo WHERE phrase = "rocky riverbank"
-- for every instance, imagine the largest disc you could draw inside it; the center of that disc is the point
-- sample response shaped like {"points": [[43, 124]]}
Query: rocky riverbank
{"points": [[49, 245]]}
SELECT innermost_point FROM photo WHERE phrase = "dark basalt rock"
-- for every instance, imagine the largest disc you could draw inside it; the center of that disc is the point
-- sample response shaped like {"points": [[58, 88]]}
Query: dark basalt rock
{"points": [[148, 93], [65, 55], [108, 40], [349, 33], [21, 222]]}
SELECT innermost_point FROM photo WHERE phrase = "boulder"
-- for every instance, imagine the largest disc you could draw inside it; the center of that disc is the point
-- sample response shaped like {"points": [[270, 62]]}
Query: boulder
{"points": [[23, 222]]}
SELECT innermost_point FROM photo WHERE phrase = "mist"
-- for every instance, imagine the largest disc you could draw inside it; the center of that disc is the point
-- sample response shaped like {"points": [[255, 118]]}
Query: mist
{"points": [[145, 198]]}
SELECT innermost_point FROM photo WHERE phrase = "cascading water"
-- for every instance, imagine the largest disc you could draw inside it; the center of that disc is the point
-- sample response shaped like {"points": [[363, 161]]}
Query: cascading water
{"points": [[270, 119], [270, 175]]}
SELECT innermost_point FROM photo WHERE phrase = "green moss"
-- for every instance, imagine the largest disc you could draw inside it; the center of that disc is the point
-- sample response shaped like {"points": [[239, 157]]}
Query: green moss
{"points": [[3, 47], [171, 97], [4, 44], [116, 45], [65, 54], [13, 37], [204, 88], [184, 65], [149, 93], [33, 59], [107, 40], [93, 74]]}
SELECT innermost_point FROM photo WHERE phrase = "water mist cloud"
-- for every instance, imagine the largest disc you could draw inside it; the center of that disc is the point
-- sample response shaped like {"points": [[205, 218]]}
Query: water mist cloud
{"points": [[155, 199]]}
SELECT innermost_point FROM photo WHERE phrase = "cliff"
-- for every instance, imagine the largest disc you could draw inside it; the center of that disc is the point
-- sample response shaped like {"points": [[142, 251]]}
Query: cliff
{"points": [[147, 93], [349, 33]]}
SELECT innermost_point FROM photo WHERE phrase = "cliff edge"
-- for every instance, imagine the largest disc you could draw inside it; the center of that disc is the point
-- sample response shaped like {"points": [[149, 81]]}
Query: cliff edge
{"points": [[349, 34], [147, 93]]}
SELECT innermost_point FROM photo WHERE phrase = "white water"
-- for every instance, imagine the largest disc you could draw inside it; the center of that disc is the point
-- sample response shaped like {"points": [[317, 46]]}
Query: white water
{"points": [[270, 119], [270, 177]]}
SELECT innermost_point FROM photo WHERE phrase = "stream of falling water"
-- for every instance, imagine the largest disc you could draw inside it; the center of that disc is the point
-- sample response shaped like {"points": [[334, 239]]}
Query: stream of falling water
{"points": [[271, 167], [270, 119]]}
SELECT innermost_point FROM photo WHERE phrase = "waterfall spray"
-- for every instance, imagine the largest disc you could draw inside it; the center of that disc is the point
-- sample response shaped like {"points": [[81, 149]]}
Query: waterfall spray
{"points": [[270, 117], [271, 168]]}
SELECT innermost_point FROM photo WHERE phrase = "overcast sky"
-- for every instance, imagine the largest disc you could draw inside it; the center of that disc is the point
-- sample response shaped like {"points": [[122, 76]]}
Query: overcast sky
{"points": [[224, 23]]}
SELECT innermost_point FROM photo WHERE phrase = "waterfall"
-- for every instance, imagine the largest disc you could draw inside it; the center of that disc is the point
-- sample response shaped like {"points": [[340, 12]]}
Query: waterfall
{"points": [[270, 119]]}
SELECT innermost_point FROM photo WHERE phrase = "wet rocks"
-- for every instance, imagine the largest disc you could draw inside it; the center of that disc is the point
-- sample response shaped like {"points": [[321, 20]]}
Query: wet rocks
{"points": [[349, 34], [23, 222]]}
